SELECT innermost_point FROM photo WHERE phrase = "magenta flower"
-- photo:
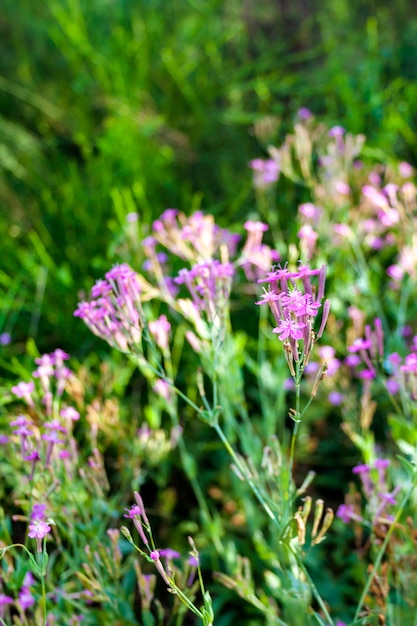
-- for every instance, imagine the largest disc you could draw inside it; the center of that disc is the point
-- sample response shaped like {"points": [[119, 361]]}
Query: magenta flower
{"points": [[38, 512], [38, 529], [289, 329], [5, 600], [169, 554], [26, 599], [266, 172]]}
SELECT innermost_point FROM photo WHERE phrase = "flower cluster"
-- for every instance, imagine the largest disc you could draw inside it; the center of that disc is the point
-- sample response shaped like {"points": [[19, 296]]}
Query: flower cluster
{"points": [[403, 372], [38, 527], [367, 351], [137, 514], [25, 599], [265, 172], [375, 488], [45, 443], [195, 238], [295, 307], [114, 312], [256, 257], [209, 285]]}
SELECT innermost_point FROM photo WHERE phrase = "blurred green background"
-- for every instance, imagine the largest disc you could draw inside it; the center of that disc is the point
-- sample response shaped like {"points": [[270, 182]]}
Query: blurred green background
{"points": [[109, 107]]}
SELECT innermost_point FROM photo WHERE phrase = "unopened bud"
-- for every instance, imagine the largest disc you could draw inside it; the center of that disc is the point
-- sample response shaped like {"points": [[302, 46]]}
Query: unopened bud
{"points": [[301, 528], [318, 512], [327, 522]]}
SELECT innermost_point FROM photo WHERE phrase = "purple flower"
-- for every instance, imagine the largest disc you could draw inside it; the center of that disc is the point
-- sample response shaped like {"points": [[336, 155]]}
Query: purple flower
{"points": [[38, 512], [304, 113], [337, 131], [169, 554], [26, 599], [345, 512], [4, 600], [335, 398], [266, 172], [5, 339]]}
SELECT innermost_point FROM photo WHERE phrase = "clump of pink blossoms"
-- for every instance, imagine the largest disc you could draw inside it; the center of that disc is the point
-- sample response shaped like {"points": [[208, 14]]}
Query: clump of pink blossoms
{"points": [[114, 312], [295, 303]]}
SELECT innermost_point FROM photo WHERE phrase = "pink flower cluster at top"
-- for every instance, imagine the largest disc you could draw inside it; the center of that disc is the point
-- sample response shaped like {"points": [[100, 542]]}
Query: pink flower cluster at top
{"points": [[115, 312], [295, 307]]}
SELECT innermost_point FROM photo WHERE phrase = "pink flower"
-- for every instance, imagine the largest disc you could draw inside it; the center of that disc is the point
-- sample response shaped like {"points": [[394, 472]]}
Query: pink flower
{"points": [[266, 172], [289, 328], [159, 329], [26, 599], [38, 529]]}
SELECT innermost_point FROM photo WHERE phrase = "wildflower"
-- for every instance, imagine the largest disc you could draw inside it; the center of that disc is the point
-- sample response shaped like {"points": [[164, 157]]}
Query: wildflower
{"points": [[346, 512], [26, 599], [5, 339], [70, 414], [342, 188], [52, 438], [38, 512], [289, 328], [115, 311], [159, 329], [308, 238], [135, 513], [209, 285], [405, 169], [310, 211], [295, 310], [265, 172], [335, 398], [337, 131], [304, 113], [24, 390], [38, 529], [169, 554], [163, 389], [4, 602]]}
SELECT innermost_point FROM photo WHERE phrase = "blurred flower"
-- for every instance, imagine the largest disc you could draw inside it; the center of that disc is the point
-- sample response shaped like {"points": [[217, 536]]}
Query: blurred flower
{"points": [[265, 172], [5, 339]]}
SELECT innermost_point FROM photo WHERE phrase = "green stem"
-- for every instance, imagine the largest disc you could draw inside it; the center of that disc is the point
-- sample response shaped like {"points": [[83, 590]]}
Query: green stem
{"points": [[297, 420], [244, 473], [43, 600], [314, 589], [383, 548]]}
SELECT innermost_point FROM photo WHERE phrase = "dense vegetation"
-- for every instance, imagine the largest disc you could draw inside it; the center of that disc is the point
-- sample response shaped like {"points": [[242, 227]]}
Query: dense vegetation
{"points": [[281, 132]]}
